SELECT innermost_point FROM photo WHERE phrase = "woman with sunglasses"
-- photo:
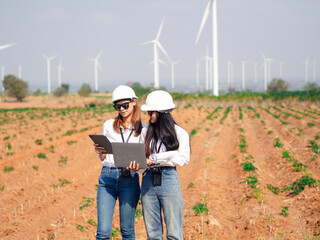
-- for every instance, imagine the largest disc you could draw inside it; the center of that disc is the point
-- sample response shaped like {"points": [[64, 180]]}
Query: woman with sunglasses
{"points": [[167, 146], [119, 182]]}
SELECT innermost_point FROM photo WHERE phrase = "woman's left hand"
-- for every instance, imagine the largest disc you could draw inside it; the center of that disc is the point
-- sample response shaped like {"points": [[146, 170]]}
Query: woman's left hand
{"points": [[133, 166]]}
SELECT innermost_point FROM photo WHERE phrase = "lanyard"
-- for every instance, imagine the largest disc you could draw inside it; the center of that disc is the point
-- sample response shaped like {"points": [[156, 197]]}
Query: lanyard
{"points": [[160, 146], [122, 134]]}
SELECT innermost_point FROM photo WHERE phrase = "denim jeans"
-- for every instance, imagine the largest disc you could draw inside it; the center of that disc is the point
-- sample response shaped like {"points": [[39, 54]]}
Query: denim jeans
{"points": [[166, 198], [111, 186]]}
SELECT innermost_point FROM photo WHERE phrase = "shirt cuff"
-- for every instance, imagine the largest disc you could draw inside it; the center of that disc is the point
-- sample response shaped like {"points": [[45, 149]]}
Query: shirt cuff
{"points": [[153, 158]]}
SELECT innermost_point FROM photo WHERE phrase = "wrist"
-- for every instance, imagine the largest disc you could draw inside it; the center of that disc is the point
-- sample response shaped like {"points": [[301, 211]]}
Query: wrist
{"points": [[153, 158]]}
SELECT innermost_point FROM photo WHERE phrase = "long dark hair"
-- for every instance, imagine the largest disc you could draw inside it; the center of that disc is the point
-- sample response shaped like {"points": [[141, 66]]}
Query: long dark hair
{"points": [[164, 130]]}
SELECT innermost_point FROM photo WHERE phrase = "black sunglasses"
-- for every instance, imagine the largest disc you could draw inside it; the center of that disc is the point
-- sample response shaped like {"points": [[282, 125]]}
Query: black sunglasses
{"points": [[125, 105], [151, 112]]}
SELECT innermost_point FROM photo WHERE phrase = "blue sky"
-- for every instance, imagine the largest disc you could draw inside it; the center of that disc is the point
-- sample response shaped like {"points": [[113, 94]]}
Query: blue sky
{"points": [[75, 30]]}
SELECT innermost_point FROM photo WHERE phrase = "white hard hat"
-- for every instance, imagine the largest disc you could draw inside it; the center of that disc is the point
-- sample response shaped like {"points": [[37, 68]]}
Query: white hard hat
{"points": [[123, 92], [158, 100]]}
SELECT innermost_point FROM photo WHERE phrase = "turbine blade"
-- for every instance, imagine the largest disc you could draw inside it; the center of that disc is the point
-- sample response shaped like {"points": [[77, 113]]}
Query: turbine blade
{"points": [[160, 29], [148, 42], [163, 50], [98, 56], [204, 19], [7, 46], [162, 62], [262, 55]]}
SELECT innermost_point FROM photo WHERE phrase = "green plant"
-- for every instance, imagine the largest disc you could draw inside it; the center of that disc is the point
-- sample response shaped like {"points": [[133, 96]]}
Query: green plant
{"points": [[248, 167], [41, 155], [193, 132], [71, 142], [93, 223], [191, 185], [81, 228], [86, 202], [200, 208], [284, 211], [252, 181], [310, 124], [63, 160], [273, 189], [277, 144], [64, 181], [286, 154], [299, 166], [8, 169], [115, 232], [299, 185], [38, 141], [35, 167], [70, 132], [1, 188]]}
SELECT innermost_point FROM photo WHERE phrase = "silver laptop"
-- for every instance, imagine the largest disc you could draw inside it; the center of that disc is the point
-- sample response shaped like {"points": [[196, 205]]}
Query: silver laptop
{"points": [[123, 153]]}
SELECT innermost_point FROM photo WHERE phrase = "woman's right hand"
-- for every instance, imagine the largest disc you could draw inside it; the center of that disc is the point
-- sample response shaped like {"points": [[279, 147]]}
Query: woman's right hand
{"points": [[99, 150], [149, 162]]}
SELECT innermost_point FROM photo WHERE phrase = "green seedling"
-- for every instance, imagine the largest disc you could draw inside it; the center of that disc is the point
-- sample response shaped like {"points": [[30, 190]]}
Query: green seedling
{"points": [[35, 168], [248, 167], [64, 181], [115, 232], [63, 160], [41, 155], [252, 181], [93, 223], [86, 203], [38, 141], [191, 185], [299, 166], [200, 208], [299, 185], [71, 142], [1, 188], [81, 228], [8, 169], [284, 211], [278, 144], [310, 124], [273, 189]]}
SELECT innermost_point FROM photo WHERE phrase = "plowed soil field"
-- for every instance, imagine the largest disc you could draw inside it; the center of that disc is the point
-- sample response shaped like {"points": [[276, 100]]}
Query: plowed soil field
{"points": [[253, 172]]}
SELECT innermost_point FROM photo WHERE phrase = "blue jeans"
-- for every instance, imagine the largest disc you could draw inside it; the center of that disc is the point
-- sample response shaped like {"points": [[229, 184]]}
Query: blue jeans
{"points": [[111, 186], [166, 198]]}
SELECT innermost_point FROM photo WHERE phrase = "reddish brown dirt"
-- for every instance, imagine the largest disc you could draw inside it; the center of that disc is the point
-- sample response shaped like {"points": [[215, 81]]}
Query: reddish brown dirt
{"points": [[32, 204]]}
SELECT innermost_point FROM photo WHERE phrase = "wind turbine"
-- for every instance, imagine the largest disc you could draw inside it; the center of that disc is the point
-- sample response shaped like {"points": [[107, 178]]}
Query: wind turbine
{"points": [[48, 70], [281, 64], [306, 62], [267, 62], [2, 77], [243, 63], [255, 65], [314, 71], [2, 68], [172, 72], [96, 65], [156, 45], [60, 69], [20, 72], [7, 46], [212, 4]]}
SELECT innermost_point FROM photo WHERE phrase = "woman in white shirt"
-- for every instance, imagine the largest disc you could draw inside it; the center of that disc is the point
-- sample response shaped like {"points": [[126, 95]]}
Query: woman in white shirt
{"points": [[119, 182], [167, 146]]}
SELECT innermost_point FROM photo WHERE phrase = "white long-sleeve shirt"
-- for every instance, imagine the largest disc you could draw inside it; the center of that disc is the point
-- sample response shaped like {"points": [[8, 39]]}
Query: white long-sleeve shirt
{"points": [[113, 136], [179, 157]]}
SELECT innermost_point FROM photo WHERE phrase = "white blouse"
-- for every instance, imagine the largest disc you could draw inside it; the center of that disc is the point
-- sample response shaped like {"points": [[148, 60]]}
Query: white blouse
{"points": [[113, 136], [179, 157]]}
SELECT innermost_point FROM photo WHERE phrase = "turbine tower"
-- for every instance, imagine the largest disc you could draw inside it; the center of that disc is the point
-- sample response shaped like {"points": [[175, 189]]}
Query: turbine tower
{"points": [[156, 45], [267, 62], [60, 69], [20, 72], [243, 63], [2, 77], [2, 68], [96, 65], [306, 62], [212, 4], [172, 72], [48, 70]]}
